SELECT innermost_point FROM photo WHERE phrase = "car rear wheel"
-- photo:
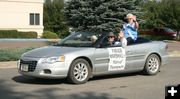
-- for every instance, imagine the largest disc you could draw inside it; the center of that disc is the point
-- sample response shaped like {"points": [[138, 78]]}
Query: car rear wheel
{"points": [[152, 65], [79, 71]]}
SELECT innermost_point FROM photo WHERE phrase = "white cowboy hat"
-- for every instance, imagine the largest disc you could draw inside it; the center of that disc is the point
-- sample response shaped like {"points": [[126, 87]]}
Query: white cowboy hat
{"points": [[129, 16]]}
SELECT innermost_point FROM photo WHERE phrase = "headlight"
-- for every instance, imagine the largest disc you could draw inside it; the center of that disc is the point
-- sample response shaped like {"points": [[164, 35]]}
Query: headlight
{"points": [[51, 60]]}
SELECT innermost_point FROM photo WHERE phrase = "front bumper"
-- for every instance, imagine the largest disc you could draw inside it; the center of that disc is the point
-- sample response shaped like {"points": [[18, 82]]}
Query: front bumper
{"points": [[57, 69]]}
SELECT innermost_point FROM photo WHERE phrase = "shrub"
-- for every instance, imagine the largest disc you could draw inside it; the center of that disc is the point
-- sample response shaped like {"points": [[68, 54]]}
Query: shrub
{"points": [[13, 54], [30, 34], [50, 35], [17, 34], [63, 34], [8, 33]]}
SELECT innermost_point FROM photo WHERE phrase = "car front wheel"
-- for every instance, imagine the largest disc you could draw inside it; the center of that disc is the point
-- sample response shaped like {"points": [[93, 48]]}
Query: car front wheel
{"points": [[152, 65], [79, 71]]}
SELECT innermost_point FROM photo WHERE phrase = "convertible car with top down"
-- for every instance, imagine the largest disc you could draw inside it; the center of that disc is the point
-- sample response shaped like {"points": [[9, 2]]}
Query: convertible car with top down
{"points": [[78, 59]]}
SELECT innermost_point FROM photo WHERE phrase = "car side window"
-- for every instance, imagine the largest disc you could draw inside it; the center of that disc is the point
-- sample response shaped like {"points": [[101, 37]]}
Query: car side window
{"points": [[162, 30], [155, 30], [104, 42]]}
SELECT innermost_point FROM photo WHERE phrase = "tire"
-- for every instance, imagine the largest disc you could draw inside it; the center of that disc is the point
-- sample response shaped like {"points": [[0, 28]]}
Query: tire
{"points": [[152, 65], [79, 72]]}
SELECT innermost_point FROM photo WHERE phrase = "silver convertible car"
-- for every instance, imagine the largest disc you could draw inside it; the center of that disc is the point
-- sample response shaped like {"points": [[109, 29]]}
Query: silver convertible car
{"points": [[78, 58]]}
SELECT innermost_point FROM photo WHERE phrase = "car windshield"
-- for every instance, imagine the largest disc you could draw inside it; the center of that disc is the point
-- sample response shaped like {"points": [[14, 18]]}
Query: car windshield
{"points": [[168, 30], [80, 39]]}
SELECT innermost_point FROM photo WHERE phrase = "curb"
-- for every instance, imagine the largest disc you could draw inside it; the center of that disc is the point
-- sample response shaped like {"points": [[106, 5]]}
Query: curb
{"points": [[13, 64], [171, 41], [8, 65]]}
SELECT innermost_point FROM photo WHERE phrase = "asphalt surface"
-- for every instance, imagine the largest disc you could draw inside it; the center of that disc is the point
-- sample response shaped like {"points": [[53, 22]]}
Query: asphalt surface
{"points": [[128, 86]]}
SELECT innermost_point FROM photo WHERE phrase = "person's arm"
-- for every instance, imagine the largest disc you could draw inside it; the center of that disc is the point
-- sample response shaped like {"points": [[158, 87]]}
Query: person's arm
{"points": [[136, 23], [124, 42]]}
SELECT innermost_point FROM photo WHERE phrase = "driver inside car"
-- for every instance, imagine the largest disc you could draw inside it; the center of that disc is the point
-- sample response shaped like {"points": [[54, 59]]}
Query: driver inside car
{"points": [[111, 38]]}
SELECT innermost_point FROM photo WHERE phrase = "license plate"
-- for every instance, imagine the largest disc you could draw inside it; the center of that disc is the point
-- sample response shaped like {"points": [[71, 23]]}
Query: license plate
{"points": [[24, 67]]}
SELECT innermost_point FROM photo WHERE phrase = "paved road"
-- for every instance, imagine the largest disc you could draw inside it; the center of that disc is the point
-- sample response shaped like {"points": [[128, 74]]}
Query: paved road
{"points": [[129, 86]]}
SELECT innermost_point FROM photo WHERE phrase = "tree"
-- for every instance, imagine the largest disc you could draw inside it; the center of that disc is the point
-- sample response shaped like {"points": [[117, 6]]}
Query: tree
{"points": [[162, 14], [152, 10], [99, 15], [54, 19], [171, 14]]}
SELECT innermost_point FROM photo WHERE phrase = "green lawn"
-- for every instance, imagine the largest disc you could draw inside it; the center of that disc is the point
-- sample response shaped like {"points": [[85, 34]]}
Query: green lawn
{"points": [[13, 54]]}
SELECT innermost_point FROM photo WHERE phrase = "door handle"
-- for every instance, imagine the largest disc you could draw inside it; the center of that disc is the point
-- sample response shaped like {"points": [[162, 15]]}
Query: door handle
{"points": [[129, 52]]}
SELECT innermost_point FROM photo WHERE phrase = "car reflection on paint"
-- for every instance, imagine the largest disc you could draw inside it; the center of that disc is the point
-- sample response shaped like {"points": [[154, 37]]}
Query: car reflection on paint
{"points": [[77, 58]]}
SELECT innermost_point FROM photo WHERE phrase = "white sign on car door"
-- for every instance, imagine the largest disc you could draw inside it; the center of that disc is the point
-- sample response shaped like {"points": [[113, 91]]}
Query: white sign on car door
{"points": [[117, 58]]}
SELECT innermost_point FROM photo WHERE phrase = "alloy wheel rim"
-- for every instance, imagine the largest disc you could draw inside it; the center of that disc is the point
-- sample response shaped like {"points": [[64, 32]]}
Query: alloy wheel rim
{"points": [[153, 64], [80, 71]]}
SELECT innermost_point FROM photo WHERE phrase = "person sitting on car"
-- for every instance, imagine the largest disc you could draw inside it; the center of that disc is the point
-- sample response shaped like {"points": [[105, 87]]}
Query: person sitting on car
{"points": [[111, 38], [121, 40], [93, 39], [130, 28]]}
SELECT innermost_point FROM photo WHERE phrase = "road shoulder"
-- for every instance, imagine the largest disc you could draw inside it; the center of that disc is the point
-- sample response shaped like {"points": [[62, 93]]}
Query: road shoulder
{"points": [[8, 64]]}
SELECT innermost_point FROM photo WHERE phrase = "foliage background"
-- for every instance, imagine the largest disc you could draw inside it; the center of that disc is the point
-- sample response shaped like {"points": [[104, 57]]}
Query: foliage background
{"points": [[162, 14], [108, 15], [54, 19], [99, 15]]}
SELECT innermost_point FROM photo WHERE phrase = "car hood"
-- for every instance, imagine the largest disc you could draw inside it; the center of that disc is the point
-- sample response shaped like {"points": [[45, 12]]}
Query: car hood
{"points": [[50, 51]]}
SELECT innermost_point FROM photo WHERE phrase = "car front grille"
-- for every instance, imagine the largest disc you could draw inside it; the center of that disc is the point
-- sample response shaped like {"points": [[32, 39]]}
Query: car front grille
{"points": [[31, 65]]}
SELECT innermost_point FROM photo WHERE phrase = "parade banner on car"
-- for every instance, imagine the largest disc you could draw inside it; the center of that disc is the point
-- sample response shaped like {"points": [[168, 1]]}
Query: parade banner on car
{"points": [[117, 58]]}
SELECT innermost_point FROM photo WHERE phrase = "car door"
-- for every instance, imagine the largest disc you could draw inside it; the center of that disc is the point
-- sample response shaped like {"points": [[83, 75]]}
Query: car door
{"points": [[102, 59], [135, 56]]}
